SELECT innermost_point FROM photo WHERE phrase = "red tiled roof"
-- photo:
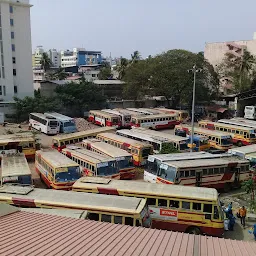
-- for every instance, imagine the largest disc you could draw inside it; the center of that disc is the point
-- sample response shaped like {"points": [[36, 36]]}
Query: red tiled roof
{"points": [[24, 233]]}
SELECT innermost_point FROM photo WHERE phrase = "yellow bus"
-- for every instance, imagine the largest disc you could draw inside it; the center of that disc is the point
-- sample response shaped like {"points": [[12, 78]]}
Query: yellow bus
{"points": [[139, 150], [18, 143], [178, 208], [183, 115], [123, 158], [92, 163], [56, 170], [59, 142], [240, 135], [104, 208], [217, 139]]}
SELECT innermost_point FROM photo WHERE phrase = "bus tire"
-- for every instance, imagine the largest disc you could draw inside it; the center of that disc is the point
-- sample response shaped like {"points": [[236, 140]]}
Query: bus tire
{"points": [[193, 230], [239, 144]]}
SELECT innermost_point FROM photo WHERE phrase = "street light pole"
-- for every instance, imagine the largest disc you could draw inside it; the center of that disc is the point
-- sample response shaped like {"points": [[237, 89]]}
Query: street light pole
{"points": [[194, 70]]}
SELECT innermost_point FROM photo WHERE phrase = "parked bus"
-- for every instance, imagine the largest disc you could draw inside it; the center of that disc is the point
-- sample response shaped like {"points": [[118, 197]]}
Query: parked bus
{"points": [[139, 150], [222, 173], [125, 118], [61, 141], [105, 208], [18, 143], [123, 158], [243, 151], [183, 115], [161, 121], [157, 142], [15, 169], [67, 124], [200, 143], [154, 161], [219, 140], [240, 135], [177, 208], [238, 123], [243, 120], [252, 158], [92, 163], [250, 112], [104, 119], [44, 124], [56, 170], [142, 111], [130, 112]]}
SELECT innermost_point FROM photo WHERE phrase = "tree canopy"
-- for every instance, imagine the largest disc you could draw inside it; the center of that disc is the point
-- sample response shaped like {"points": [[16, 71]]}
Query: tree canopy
{"points": [[167, 75], [45, 62]]}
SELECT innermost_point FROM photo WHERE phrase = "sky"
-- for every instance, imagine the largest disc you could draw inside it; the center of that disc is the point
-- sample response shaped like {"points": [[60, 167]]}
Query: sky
{"points": [[149, 26]]}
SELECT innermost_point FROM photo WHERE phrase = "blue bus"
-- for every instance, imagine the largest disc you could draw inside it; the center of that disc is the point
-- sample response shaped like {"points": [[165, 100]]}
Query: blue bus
{"points": [[67, 124], [200, 143]]}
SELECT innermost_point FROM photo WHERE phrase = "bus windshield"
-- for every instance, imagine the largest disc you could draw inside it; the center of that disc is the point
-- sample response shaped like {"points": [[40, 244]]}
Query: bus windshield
{"points": [[227, 141], [146, 152], [127, 118], [124, 163], [115, 120], [167, 172], [69, 124], [252, 135], [67, 174], [106, 169], [53, 123], [151, 167], [145, 216]]}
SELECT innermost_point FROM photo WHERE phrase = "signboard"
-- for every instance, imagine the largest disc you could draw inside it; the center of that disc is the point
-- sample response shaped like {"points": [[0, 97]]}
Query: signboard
{"points": [[162, 213], [62, 169], [10, 178]]}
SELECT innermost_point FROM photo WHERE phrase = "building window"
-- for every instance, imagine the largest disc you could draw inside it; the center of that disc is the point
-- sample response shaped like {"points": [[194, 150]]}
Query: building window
{"points": [[14, 72], [11, 22], [12, 35], [13, 60], [1, 93], [13, 47], [11, 9], [15, 89], [4, 89], [3, 72]]}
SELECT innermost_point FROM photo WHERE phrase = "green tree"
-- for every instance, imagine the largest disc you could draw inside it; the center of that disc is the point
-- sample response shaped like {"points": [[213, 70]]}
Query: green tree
{"points": [[45, 62], [249, 187], [60, 74], [121, 68], [105, 73], [135, 57], [168, 148]]}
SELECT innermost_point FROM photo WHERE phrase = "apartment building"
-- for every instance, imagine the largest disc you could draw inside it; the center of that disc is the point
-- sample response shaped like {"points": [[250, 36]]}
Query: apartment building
{"points": [[16, 78], [36, 56], [54, 56], [80, 56]]}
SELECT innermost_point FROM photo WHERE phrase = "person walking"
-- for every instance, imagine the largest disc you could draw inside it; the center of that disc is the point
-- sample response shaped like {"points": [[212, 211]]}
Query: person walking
{"points": [[242, 214]]}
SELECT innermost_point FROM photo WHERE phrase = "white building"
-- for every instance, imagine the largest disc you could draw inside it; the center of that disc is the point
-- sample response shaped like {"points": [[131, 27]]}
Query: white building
{"points": [[16, 77], [54, 55], [37, 56]]}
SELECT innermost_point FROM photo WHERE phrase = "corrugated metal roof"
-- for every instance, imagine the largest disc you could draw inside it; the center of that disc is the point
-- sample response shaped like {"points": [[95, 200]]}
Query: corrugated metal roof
{"points": [[24, 233]]}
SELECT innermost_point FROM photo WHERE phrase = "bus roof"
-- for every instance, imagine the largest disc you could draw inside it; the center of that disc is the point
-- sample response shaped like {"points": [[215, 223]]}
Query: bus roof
{"points": [[15, 165], [58, 116], [231, 126], [244, 150], [205, 131], [243, 120], [100, 112], [150, 137], [123, 139], [155, 116], [85, 201], [236, 122], [128, 112], [158, 134], [107, 148], [144, 188], [89, 133], [56, 159], [17, 137], [205, 162], [86, 154], [185, 156], [41, 115]]}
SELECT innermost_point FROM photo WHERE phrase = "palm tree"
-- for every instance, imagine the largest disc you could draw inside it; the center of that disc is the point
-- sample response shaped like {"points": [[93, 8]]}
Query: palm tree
{"points": [[45, 62], [135, 57], [121, 68]]}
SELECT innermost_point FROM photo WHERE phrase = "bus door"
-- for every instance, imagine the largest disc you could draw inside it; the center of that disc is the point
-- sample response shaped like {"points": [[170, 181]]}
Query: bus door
{"points": [[199, 178]]}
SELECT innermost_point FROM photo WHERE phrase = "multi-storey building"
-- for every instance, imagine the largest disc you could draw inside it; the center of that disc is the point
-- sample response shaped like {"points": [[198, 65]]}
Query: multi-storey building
{"points": [[37, 56], [54, 56], [16, 78], [80, 56]]}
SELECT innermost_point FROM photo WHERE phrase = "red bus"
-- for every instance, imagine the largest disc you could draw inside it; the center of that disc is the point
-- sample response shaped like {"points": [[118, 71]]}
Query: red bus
{"points": [[104, 119]]}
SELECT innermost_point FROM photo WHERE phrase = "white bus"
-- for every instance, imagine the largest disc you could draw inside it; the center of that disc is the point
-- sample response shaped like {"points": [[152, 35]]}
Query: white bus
{"points": [[243, 120], [250, 112], [243, 151], [144, 111], [67, 124], [157, 141], [238, 123], [44, 124], [125, 117], [154, 161]]}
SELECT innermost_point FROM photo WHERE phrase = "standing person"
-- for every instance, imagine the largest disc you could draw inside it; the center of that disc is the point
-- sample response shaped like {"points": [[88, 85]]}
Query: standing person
{"points": [[254, 231], [242, 213]]}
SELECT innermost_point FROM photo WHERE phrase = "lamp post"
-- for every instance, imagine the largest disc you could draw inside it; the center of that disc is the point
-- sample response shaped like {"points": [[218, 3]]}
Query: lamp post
{"points": [[194, 70]]}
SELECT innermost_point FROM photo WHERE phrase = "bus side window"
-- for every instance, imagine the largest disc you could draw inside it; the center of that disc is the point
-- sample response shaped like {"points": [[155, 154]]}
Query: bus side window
{"points": [[207, 208], [216, 213], [93, 216], [128, 221], [162, 202], [197, 206], [216, 170], [106, 218], [193, 173], [174, 204], [205, 171], [151, 201], [210, 171], [118, 219], [181, 174], [185, 205], [222, 170]]}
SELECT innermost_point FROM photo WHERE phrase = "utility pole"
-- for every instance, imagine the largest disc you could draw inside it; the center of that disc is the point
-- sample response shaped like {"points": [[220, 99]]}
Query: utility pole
{"points": [[194, 70]]}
